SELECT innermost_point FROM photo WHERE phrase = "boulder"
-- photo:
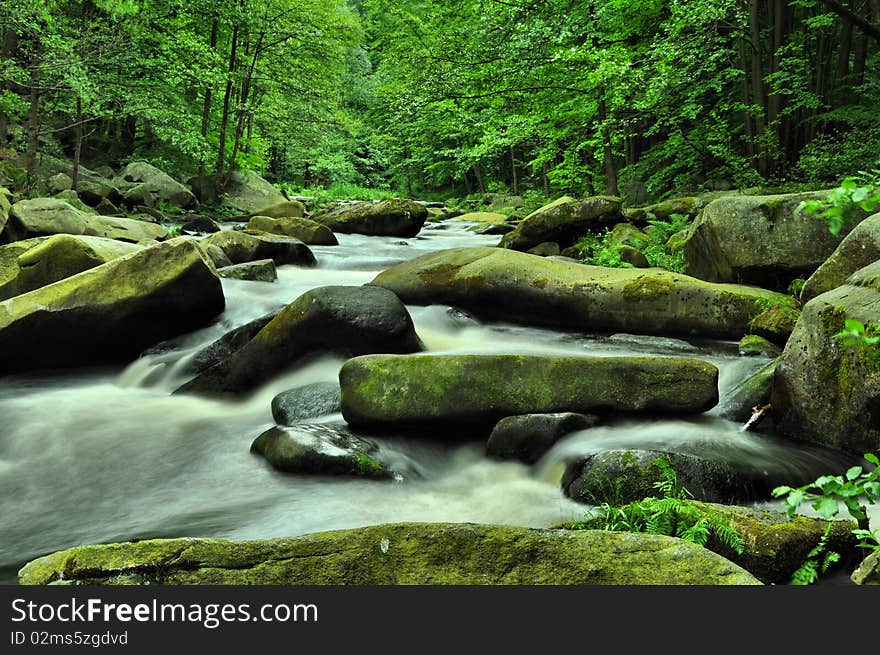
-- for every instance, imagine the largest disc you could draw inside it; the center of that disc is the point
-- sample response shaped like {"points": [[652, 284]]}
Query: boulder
{"points": [[546, 249], [93, 191], [487, 218], [200, 225], [860, 248], [528, 437], [396, 554], [398, 217], [110, 313], [59, 182], [243, 247], [633, 257], [751, 394], [248, 192], [619, 477], [824, 391], [626, 234], [5, 207], [105, 171], [216, 255], [498, 201], [758, 240], [34, 263], [106, 208], [139, 196], [348, 320], [483, 389], [159, 183], [286, 209], [307, 231], [688, 206], [494, 283], [224, 347], [259, 270], [563, 221], [868, 572], [321, 450], [47, 216], [305, 402], [493, 229], [752, 345]]}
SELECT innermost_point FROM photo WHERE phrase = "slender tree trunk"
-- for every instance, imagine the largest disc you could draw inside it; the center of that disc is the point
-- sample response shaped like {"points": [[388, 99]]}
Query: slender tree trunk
{"points": [[481, 186], [545, 179], [78, 141], [744, 91], [33, 131], [607, 152], [860, 58], [209, 92], [758, 95], [224, 119], [243, 112], [513, 172]]}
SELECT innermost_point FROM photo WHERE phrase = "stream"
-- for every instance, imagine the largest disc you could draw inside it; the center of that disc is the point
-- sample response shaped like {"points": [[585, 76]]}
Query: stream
{"points": [[108, 454]]}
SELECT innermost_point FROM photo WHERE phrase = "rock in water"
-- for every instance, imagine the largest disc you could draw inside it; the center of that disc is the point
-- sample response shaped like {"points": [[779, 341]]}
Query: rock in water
{"points": [[825, 391], [34, 263], [112, 312], [305, 402], [482, 389], [860, 248], [249, 193], [243, 247], [392, 218], [347, 320], [260, 270], [528, 437], [563, 221], [155, 181], [286, 209], [503, 284], [753, 392], [307, 231], [320, 450], [407, 553], [758, 240]]}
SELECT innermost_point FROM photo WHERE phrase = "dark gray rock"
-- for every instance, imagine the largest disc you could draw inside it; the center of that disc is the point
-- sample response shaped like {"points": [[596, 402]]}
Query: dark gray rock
{"points": [[305, 402], [529, 436], [200, 225]]}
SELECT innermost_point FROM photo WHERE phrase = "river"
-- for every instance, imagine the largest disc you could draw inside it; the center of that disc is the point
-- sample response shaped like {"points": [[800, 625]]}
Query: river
{"points": [[109, 454]]}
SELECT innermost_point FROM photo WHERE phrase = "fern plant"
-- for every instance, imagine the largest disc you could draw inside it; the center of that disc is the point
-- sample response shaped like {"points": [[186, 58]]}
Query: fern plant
{"points": [[817, 562], [673, 514]]}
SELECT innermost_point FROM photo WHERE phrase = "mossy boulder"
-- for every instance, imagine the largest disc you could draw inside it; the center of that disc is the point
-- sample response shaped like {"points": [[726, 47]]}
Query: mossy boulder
{"points": [[398, 217], [528, 437], [110, 313], [286, 209], [243, 247], [403, 553], [860, 248], [94, 192], [260, 270], [633, 257], [868, 572], [307, 231], [494, 283], [48, 216], [305, 402], [200, 225], [34, 263], [5, 207], [753, 392], [826, 392], [483, 389], [688, 206], [247, 192], [626, 234], [546, 249], [346, 320], [155, 181], [216, 255], [618, 477], [320, 449], [486, 218], [563, 221], [753, 345], [758, 240]]}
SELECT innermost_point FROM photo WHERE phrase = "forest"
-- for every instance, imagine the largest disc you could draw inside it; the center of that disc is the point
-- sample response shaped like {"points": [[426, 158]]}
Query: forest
{"points": [[442, 99], [485, 292]]}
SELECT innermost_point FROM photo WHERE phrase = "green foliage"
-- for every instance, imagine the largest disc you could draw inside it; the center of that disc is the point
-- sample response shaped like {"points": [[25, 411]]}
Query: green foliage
{"points": [[860, 191], [856, 334], [817, 561], [673, 514], [602, 250]]}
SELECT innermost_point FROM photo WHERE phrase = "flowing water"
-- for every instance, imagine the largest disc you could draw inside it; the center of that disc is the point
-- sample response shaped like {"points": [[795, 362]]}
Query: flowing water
{"points": [[102, 455]]}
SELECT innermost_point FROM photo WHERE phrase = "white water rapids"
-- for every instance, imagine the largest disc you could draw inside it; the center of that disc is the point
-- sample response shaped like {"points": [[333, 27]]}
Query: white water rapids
{"points": [[104, 455]]}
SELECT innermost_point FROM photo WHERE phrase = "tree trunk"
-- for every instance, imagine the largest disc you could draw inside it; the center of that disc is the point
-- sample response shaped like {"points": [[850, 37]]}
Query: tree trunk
{"points": [[758, 95], [744, 91], [246, 86], [513, 172], [78, 140], [219, 181], [607, 152], [33, 131], [209, 92], [860, 58]]}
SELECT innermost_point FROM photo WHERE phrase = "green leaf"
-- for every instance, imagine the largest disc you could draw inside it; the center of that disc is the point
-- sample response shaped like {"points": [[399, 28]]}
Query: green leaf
{"points": [[872, 458], [853, 472], [826, 507]]}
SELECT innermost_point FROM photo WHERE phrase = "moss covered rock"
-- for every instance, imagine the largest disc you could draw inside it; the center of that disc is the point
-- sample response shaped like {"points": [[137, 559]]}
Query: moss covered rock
{"points": [[860, 248], [528, 437], [824, 391], [249, 193], [5, 207], [260, 270], [320, 449], [486, 218], [407, 553], [868, 572], [347, 320], [305, 230], [243, 247], [563, 221], [482, 389], [34, 263], [618, 477], [398, 217], [110, 313], [752, 345], [286, 209], [200, 225], [753, 392], [503, 284], [758, 240], [688, 206], [157, 182]]}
